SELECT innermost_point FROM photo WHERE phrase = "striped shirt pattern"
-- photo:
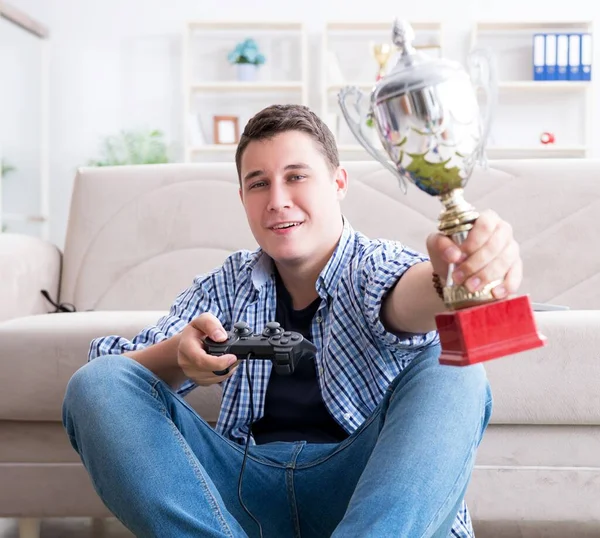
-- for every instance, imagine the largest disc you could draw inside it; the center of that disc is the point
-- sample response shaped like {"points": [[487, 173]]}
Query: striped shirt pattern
{"points": [[356, 359]]}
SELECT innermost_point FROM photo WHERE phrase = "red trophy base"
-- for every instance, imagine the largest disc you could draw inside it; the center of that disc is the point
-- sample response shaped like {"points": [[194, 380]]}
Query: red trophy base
{"points": [[485, 332]]}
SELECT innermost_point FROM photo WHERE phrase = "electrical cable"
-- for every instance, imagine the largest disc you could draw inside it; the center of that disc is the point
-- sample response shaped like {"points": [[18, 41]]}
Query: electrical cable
{"points": [[247, 446]]}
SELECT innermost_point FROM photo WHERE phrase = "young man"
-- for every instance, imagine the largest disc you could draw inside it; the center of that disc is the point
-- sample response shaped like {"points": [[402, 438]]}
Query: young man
{"points": [[371, 438]]}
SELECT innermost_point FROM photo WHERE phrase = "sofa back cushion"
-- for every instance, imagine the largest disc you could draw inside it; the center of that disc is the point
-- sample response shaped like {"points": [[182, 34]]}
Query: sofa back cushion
{"points": [[138, 235]]}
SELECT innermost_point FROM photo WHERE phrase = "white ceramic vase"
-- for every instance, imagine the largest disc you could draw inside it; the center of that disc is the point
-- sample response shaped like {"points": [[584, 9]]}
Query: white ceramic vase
{"points": [[247, 72]]}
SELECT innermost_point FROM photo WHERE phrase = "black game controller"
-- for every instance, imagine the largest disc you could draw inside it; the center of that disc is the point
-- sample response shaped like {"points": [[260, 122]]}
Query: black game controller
{"points": [[283, 348]]}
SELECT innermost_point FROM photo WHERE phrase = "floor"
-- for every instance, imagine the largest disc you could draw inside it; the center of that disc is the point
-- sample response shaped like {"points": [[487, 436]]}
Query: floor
{"points": [[69, 528], [111, 528]]}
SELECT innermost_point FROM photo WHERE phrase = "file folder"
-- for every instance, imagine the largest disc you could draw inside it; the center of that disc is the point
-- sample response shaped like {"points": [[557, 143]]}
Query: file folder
{"points": [[586, 57], [562, 57], [539, 51], [574, 57], [550, 57]]}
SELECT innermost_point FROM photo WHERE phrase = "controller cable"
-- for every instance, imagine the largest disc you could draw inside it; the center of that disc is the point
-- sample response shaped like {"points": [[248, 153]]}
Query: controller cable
{"points": [[248, 445]]}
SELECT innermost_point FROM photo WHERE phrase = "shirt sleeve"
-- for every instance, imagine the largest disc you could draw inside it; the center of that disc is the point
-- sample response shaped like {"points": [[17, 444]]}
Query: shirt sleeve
{"points": [[211, 292], [380, 269]]}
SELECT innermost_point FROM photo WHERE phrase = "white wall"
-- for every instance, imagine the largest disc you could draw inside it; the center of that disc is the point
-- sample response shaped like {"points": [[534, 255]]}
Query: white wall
{"points": [[116, 64]]}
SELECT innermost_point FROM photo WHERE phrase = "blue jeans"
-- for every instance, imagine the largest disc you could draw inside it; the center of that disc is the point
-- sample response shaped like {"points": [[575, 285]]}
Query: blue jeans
{"points": [[164, 472]]}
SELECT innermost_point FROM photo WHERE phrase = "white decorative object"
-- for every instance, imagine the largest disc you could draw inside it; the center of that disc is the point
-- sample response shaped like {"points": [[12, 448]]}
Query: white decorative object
{"points": [[247, 72], [195, 131], [334, 70]]}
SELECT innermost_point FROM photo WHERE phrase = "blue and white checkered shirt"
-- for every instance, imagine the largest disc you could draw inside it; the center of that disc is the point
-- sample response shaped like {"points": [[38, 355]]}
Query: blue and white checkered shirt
{"points": [[357, 358]]}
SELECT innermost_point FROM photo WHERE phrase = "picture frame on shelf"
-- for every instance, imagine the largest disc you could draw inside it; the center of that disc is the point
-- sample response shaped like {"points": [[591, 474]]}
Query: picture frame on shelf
{"points": [[226, 129]]}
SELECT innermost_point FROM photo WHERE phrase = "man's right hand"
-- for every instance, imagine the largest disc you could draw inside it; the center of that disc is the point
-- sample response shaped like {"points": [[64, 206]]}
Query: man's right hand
{"points": [[192, 357]]}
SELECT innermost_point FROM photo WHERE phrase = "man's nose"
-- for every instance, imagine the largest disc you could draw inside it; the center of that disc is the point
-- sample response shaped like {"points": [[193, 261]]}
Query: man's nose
{"points": [[279, 197]]}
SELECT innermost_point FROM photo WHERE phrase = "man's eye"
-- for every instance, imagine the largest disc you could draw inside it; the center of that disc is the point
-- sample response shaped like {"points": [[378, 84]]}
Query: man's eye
{"points": [[296, 178], [257, 184]]}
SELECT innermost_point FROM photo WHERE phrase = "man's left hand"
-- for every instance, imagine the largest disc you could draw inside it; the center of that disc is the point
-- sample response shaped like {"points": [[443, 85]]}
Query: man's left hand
{"points": [[489, 253]]}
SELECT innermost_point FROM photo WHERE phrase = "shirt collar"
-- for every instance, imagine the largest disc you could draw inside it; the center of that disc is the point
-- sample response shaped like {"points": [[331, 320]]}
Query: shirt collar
{"points": [[260, 264]]}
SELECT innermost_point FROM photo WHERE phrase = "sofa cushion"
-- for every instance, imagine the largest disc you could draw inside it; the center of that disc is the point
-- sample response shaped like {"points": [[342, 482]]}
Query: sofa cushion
{"points": [[138, 234], [39, 354], [556, 384]]}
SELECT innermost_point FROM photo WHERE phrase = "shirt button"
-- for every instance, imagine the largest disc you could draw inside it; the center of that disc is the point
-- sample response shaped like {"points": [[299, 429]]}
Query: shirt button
{"points": [[319, 319], [347, 416]]}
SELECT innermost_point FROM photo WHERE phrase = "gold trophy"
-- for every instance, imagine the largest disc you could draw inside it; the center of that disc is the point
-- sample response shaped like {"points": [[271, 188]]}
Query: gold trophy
{"points": [[428, 119], [382, 53]]}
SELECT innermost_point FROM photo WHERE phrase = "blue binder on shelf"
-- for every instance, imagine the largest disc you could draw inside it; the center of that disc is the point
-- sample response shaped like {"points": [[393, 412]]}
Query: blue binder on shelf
{"points": [[550, 57], [586, 57], [539, 59], [562, 57], [574, 57]]}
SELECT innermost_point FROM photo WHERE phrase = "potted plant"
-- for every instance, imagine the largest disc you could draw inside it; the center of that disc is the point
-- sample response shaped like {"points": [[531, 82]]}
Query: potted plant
{"points": [[247, 59], [133, 147]]}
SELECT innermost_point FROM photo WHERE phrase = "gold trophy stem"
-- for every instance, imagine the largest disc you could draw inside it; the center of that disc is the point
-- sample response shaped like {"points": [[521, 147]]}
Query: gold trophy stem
{"points": [[455, 221]]}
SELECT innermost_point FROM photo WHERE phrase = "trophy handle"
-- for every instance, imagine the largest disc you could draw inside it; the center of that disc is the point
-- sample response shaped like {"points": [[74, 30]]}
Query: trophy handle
{"points": [[483, 72], [357, 129]]}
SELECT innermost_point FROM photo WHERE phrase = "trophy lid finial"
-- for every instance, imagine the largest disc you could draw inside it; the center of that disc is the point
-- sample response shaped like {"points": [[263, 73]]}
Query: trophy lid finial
{"points": [[403, 35]]}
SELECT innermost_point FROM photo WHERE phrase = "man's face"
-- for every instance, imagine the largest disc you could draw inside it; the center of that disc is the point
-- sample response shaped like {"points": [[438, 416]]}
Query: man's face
{"points": [[291, 198]]}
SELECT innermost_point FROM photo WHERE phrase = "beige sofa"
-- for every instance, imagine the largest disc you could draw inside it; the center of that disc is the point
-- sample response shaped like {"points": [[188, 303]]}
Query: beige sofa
{"points": [[138, 235]]}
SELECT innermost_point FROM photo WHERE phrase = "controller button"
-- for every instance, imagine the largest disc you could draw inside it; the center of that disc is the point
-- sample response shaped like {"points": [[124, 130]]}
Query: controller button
{"points": [[295, 337], [285, 340], [287, 333], [281, 358], [276, 337]]}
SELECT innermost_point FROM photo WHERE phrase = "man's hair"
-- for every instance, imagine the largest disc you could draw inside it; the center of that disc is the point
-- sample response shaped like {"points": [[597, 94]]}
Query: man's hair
{"points": [[276, 119]]}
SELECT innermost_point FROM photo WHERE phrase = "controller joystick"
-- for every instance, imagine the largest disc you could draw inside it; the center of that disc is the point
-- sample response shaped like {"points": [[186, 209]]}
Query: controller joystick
{"points": [[272, 328], [283, 348]]}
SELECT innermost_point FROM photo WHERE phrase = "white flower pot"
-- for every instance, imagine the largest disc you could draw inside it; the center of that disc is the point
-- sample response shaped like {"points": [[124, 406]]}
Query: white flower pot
{"points": [[247, 72]]}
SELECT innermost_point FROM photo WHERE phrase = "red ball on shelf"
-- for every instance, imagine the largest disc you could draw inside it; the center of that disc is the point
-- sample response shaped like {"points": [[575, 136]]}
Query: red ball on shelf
{"points": [[547, 138]]}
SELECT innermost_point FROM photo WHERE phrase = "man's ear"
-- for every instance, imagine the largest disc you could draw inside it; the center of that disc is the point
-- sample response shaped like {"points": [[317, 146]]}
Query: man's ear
{"points": [[341, 182], [241, 195]]}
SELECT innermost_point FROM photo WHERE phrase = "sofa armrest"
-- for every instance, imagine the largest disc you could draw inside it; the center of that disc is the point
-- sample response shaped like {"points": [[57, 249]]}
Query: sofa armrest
{"points": [[27, 265], [555, 384], [39, 354]]}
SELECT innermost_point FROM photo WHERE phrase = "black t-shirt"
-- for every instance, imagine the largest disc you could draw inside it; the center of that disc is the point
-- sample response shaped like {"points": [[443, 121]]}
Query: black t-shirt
{"points": [[294, 408]]}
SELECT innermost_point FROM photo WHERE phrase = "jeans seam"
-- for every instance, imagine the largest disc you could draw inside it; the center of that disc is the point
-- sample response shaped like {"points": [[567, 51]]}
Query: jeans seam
{"points": [[345, 443], [196, 468], [454, 488], [289, 482]]}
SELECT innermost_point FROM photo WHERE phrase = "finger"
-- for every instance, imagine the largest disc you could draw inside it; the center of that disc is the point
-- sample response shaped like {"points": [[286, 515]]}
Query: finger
{"points": [[491, 249], [209, 325], [210, 363], [512, 281], [207, 379], [448, 250], [483, 228], [495, 269]]}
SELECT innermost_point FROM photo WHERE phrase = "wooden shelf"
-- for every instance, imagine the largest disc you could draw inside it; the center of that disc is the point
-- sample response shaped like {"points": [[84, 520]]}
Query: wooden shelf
{"points": [[353, 26], [22, 217], [213, 148], [237, 25], [493, 26], [538, 150], [232, 86], [545, 85]]}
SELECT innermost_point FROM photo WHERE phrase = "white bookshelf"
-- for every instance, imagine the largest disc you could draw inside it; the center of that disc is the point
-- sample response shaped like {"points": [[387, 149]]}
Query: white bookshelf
{"points": [[210, 85], [36, 220], [354, 65], [525, 107]]}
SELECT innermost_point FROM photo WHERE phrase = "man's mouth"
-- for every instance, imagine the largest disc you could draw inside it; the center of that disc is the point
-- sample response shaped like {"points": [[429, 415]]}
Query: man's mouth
{"points": [[285, 225]]}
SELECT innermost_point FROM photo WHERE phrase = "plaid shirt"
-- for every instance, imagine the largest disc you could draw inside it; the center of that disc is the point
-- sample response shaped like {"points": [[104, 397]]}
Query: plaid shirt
{"points": [[357, 358]]}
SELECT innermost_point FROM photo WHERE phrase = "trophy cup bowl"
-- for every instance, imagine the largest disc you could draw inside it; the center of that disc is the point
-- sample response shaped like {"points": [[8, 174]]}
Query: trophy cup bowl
{"points": [[430, 124]]}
